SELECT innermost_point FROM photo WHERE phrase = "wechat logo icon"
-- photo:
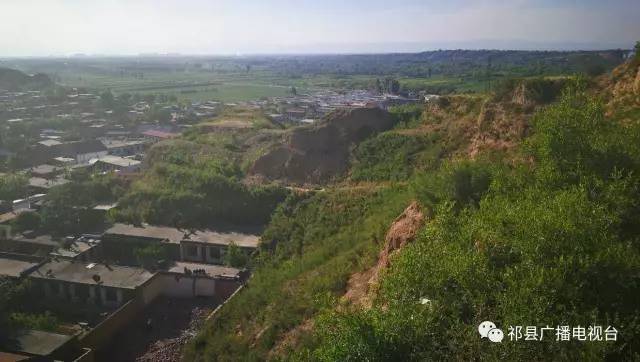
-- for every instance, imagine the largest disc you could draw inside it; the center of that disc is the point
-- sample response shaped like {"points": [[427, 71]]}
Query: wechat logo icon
{"points": [[488, 329]]}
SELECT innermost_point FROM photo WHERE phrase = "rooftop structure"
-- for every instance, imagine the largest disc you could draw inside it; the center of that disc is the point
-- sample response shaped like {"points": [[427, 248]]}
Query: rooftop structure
{"points": [[64, 161], [38, 343], [80, 151], [209, 270], [173, 235], [124, 147], [159, 134], [44, 184], [105, 207], [111, 143], [50, 142], [76, 249], [16, 266], [93, 274], [12, 215], [45, 170], [116, 161]]}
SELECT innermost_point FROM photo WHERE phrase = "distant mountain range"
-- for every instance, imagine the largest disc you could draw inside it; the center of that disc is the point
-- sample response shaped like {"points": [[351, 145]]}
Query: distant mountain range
{"points": [[15, 80]]}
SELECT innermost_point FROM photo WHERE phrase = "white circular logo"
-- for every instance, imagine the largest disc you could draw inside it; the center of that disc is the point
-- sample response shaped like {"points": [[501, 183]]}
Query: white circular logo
{"points": [[485, 327]]}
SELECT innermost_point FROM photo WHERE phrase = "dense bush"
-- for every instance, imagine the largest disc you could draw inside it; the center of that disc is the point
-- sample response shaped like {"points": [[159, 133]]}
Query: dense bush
{"points": [[311, 246], [537, 90], [388, 156], [68, 207], [13, 186], [553, 243], [197, 195]]}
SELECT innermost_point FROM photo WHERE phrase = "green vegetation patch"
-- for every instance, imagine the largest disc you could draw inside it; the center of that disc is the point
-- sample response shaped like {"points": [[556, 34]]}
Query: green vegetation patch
{"points": [[549, 243], [311, 246], [392, 156]]}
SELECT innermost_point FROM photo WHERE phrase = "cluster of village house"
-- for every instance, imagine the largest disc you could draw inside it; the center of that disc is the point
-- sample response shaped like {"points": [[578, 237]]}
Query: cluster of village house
{"points": [[308, 107], [101, 273], [107, 141], [104, 145]]}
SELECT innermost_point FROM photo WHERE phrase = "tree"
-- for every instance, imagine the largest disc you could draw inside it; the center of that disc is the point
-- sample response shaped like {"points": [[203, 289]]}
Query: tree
{"points": [[125, 98], [107, 100], [594, 69], [379, 89], [392, 85], [13, 186], [235, 257], [11, 295], [149, 98], [150, 256], [28, 221]]}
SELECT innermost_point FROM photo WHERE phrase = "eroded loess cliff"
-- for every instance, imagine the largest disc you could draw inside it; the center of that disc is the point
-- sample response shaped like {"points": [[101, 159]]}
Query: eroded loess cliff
{"points": [[312, 155]]}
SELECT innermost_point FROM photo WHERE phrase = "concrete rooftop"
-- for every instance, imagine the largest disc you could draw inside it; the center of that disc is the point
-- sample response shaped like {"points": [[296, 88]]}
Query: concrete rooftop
{"points": [[78, 272], [16, 266], [174, 235], [210, 270], [39, 343]]}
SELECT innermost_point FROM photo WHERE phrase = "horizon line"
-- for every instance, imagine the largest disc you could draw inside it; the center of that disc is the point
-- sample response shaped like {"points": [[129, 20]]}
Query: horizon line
{"points": [[273, 54]]}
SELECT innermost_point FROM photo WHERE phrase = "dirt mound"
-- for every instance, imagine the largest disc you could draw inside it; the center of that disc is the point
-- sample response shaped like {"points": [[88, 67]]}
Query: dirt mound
{"points": [[520, 96], [403, 230], [622, 88], [469, 125], [319, 153], [497, 128]]}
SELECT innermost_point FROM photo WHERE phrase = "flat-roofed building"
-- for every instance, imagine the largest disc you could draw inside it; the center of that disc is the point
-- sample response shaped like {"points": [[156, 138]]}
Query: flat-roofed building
{"points": [[187, 280], [85, 248], [124, 147], [92, 283], [46, 171], [17, 266], [203, 246], [29, 243], [39, 184], [34, 345], [212, 246], [115, 164]]}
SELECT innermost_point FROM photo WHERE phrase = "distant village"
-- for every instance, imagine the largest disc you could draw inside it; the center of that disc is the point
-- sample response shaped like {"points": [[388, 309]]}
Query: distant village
{"points": [[97, 281], [108, 143]]}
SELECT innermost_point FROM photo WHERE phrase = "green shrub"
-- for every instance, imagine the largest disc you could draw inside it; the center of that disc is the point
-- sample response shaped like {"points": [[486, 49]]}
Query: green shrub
{"points": [[311, 246], [553, 243], [392, 156], [43, 322]]}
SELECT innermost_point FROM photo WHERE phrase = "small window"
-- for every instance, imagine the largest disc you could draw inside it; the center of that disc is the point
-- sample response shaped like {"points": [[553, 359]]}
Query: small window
{"points": [[214, 252], [192, 250]]}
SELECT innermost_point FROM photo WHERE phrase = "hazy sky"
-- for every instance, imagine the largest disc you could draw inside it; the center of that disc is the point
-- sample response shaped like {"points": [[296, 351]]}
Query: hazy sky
{"points": [[64, 27]]}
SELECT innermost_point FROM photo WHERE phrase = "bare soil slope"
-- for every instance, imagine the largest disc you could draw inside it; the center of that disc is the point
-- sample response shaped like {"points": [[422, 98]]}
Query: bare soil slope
{"points": [[313, 155]]}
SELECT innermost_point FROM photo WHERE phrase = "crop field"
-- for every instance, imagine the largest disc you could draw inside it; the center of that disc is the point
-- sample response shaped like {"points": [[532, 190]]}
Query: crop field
{"points": [[195, 86]]}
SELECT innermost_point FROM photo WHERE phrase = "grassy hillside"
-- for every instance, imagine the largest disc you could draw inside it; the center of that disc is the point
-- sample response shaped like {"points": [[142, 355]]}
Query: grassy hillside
{"points": [[553, 242], [198, 180], [313, 243], [535, 216]]}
